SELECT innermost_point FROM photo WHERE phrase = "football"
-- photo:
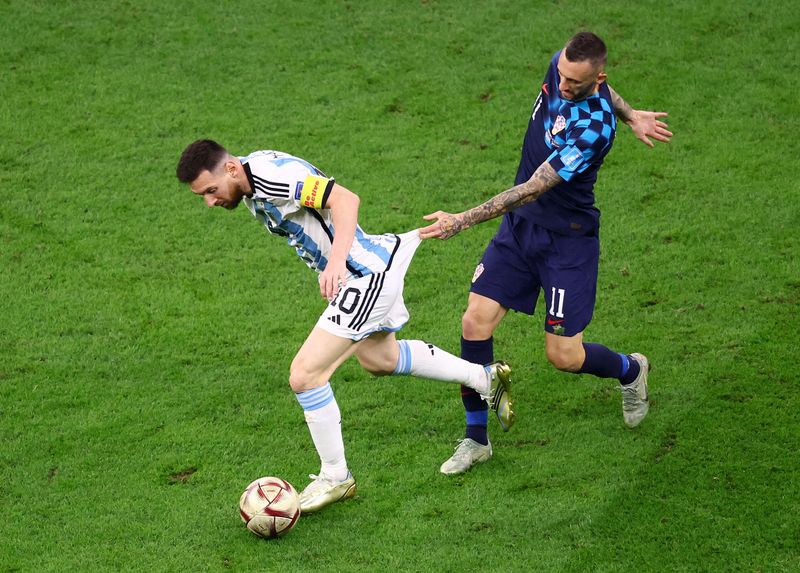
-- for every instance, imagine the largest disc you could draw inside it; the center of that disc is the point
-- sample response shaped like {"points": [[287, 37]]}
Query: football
{"points": [[269, 507]]}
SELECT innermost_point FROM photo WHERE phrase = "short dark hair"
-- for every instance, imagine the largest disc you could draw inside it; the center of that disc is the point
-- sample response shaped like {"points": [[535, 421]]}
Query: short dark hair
{"points": [[201, 155], [586, 46]]}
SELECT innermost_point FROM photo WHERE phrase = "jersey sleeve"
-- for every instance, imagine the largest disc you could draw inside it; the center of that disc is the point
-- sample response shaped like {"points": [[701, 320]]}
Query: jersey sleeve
{"points": [[586, 138], [290, 183], [313, 191]]}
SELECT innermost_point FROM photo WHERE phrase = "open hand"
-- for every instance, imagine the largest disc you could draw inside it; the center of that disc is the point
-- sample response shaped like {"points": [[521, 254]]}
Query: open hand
{"points": [[645, 124]]}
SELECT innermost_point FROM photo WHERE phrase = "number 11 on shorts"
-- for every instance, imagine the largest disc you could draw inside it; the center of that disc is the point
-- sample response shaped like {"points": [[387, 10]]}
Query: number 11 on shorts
{"points": [[560, 294]]}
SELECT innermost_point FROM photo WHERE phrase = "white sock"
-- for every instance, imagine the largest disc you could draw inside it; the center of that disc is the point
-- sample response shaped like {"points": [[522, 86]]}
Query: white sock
{"points": [[325, 424], [425, 360]]}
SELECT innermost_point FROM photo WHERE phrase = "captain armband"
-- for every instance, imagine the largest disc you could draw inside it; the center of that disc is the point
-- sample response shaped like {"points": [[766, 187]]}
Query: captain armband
{"points": [[314, 191]]}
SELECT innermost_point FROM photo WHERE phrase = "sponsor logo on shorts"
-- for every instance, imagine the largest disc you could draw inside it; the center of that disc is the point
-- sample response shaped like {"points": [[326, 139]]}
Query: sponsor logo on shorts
{"points": [[557, 325], [478, 272]]}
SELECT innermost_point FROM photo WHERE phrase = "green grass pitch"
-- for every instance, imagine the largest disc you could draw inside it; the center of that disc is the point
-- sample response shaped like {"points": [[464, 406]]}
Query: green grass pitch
{"points": [[145, 340]]}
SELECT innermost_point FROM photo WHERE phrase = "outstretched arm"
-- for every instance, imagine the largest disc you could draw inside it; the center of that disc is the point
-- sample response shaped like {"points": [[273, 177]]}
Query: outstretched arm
{"points": [[446, 225], [645, 124]]}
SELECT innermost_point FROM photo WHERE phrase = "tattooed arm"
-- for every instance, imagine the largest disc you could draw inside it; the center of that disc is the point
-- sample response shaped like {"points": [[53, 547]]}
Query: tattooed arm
{"points": [[621, 107], [645, 124], [446, 225]]}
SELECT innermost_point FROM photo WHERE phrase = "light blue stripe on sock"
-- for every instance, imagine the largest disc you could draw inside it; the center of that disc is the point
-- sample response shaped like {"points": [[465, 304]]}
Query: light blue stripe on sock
{"points": [[316, 398], [625, 365], [404, 359]]}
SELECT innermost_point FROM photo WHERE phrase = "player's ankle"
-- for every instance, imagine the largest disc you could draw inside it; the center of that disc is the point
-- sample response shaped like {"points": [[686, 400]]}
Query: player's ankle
{"points": [[477, 433]]}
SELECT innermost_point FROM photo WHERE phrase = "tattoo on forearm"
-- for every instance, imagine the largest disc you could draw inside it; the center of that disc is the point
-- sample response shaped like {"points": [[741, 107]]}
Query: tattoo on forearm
{"points": [[621, 107], [543, 179]]}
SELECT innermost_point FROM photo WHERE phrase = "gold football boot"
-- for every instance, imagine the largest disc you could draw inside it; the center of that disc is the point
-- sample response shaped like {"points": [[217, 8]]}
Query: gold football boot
{"points": [[323, 491], [499, 397]]}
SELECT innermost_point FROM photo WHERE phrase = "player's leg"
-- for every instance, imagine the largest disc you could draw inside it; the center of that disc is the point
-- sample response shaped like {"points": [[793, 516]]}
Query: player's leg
{"points": [[565, 352], [357, 311], [478, 324], [571, 354], [321, 354], [382, 354], [378, 310], [318, 358], [503, 280], [378, 354], [570, 283]]}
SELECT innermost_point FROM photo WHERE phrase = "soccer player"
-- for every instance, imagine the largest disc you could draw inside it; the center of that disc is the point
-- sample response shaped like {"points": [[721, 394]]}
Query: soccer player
{"points": [[361, 275], [549, 236]]}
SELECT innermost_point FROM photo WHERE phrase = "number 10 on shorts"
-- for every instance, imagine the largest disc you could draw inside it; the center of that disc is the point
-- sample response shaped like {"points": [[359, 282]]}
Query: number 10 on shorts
{"points": [[557, 293]]}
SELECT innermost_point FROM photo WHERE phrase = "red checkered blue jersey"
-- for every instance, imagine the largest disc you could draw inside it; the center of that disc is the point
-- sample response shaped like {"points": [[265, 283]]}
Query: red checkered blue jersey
{"points": [[289, 198], [574, 138]]}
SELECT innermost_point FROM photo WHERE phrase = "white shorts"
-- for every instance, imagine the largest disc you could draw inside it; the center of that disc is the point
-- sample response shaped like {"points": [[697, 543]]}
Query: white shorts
{"points": [[375, 302]]}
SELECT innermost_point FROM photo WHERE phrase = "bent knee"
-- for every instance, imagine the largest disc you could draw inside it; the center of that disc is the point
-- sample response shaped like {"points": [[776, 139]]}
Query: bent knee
{"points": [[565, 359], [481, 317], [377, 365], [475, 326], [301, 378], [375, 371]]}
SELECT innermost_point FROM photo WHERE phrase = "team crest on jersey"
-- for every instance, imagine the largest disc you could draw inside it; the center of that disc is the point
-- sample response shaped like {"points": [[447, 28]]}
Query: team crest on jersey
{"points": [[478, 272], [559, 124]]}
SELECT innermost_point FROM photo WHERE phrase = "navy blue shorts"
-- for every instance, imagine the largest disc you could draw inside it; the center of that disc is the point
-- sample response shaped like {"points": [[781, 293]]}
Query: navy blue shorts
{"points": [[524, 258]]}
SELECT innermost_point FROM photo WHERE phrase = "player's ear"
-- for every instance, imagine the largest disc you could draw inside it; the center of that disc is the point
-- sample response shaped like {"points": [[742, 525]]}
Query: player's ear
{"points": [[230, 168], [601, 77]]}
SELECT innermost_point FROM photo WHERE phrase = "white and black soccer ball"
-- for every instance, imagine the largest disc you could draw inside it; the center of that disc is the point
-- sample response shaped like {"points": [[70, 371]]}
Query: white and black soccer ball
{"points": [[269, 507]]}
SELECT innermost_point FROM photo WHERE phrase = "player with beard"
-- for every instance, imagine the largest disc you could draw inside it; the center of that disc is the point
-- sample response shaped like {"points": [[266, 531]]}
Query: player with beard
{"points": [[549, 238], [361, 275]]}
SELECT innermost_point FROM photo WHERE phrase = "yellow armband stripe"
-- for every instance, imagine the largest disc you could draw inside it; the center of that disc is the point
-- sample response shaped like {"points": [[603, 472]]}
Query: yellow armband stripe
{"points": [[315, 191]]}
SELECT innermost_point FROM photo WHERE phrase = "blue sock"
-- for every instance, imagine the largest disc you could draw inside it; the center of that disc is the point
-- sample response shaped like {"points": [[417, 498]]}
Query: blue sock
{"points": [[477, 410], [630, 370], [603, 362]]}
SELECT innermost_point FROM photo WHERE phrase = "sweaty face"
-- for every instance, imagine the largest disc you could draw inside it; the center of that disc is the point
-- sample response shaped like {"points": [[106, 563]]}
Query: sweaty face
{"points": [[579, 80], [218, 188]]}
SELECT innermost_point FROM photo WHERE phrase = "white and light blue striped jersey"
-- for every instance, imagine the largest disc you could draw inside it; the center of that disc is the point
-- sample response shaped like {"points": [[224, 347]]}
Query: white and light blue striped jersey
{"points": [[289, 197]]}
